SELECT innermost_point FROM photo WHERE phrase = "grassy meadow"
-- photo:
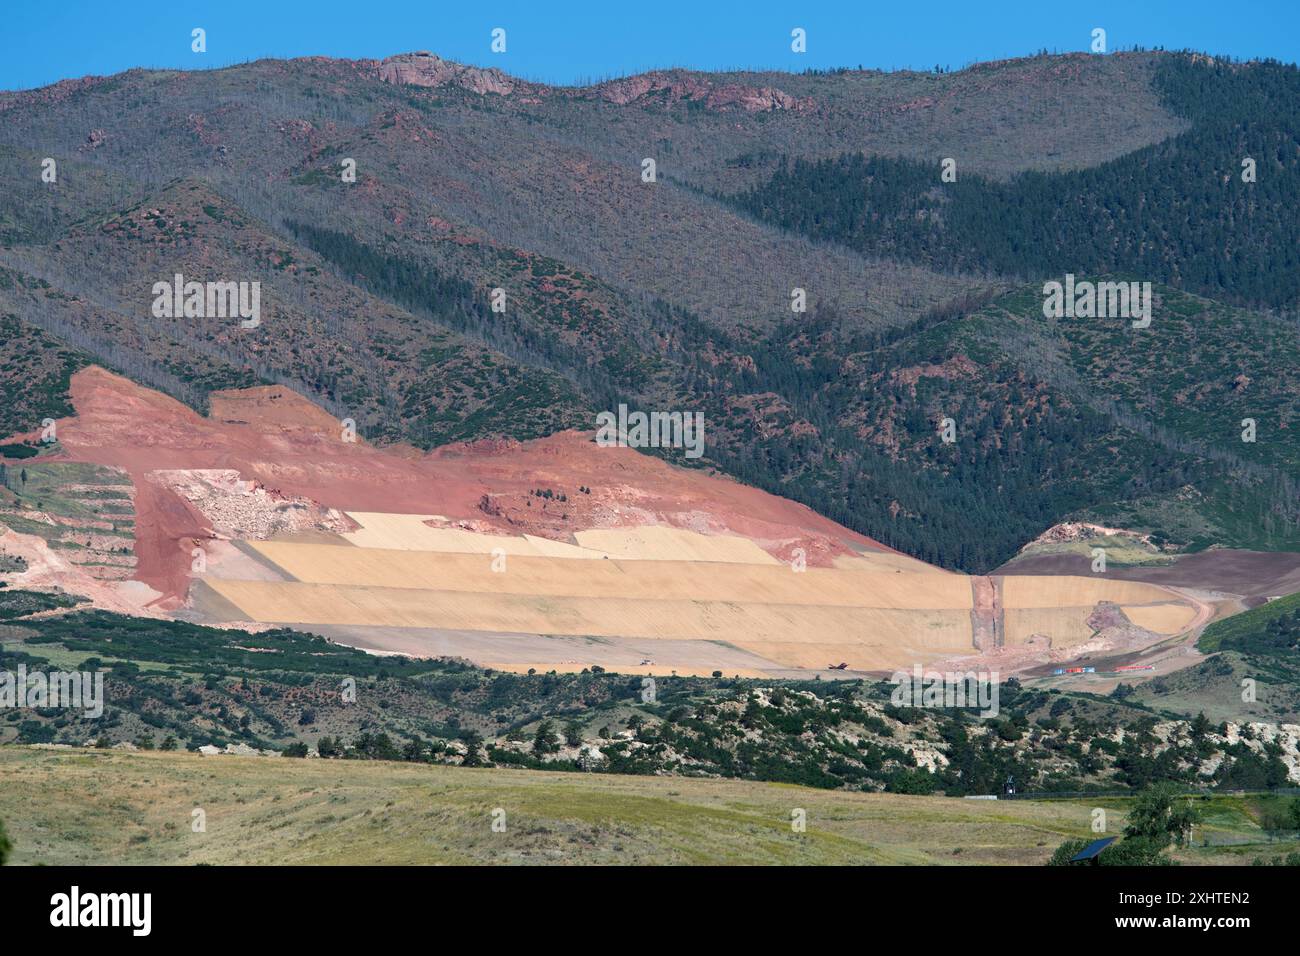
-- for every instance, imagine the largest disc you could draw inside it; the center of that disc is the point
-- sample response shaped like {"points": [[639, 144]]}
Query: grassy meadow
{"points": [[99, 807]]}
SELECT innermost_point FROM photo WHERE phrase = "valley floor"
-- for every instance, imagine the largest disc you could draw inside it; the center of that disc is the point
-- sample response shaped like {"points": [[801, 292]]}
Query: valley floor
{"points": [[111, 807]]}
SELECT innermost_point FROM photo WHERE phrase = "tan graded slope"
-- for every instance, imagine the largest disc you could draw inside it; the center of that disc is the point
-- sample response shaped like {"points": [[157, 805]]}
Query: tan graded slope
{"points": [[672, 594], [658, 579], [1050, 591], [775, 631], [673, 544], [871, 620], [430, 533], [1060, 606]]}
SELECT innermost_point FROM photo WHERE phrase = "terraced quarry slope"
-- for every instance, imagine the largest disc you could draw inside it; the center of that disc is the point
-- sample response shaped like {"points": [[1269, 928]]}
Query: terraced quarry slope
{"points": [[83, 511], [555, 554], [665, 609], [651, 615]]}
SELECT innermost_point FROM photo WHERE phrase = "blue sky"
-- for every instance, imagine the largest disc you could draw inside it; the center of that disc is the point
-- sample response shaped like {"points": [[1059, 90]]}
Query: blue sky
{"points": [[43, 41]]}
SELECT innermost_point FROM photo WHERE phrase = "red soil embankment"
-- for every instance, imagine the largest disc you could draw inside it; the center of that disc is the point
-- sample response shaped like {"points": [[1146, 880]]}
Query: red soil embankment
{"points": [[289, 445]]}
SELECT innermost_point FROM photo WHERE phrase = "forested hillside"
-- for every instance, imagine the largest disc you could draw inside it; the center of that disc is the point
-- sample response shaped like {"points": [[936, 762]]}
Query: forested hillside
{"points": [[1177, 212], [499, 268], [1052, 420], [34, 373]]}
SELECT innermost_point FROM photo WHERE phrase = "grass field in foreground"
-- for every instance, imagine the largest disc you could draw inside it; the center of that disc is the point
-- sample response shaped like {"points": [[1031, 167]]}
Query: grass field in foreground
{"points": [[101, 807]]}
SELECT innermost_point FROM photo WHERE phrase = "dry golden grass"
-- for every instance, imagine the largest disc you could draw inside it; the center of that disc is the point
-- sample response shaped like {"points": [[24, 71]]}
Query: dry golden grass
{"points": [[96, 807]]}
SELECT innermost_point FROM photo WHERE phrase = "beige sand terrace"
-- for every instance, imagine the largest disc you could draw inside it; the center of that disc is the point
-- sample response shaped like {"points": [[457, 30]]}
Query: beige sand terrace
{"points": [[619, 591]]}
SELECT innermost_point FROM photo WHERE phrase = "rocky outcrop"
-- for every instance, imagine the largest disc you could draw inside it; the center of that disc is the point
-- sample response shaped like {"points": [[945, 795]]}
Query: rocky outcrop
{"points": [[1071, 531], [685, 87], [426, 69], [423, 68]]}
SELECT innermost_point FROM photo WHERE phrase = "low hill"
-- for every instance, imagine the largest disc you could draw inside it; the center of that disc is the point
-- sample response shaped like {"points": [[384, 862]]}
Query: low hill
{"points": [[288, 811], [1272, 628], [91, 807], [1252, 669]]}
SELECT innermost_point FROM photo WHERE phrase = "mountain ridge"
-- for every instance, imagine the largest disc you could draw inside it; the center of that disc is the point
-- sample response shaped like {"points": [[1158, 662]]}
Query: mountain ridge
{"points": [[655, 294]]}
